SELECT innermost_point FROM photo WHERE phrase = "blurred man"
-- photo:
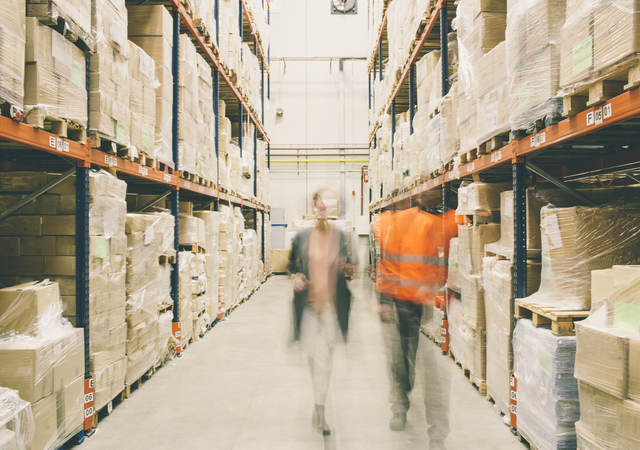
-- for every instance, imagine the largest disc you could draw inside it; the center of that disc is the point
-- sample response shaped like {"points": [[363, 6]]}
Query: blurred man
{"points": [[320, 263], [410, 276]]}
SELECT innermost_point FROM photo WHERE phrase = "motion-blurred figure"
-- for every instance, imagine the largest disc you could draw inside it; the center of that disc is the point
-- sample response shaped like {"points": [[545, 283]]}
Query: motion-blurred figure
{"points": [[320, 263], [410, 277]]}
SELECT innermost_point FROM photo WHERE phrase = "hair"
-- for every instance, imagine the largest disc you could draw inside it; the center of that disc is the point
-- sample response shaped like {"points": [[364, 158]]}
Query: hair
{"points": [[318, 193]]}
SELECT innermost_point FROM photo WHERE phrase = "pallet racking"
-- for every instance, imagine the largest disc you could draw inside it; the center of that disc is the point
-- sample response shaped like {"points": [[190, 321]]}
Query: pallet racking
{"points": [[595, 144], [23, 147]]}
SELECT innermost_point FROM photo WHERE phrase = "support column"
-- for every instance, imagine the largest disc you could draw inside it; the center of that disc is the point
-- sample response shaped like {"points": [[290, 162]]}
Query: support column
{"points": [[175, 194], [444, 48], [519, 228], [393, 130], [216, 110], [82, 257], [412, 95]]}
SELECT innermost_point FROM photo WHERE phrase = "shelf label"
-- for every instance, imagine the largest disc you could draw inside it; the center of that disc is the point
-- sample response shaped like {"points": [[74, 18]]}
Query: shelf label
{"points": [[167, 178], [187, 184], [590, 118], [598, 116], [471, 167], [88, 397], [144, 171], [496, 156], [111, 161], [538, 139], [607, 112], [200, 188]]}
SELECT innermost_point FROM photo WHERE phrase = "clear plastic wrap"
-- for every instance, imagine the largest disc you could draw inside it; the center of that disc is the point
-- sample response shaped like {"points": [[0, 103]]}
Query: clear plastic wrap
{"points": [[206, 152], [533, 59], [43, 361], [453, 279], [54, 76], [192, 231], [142, 101], [189, 132], [76, 11], [478, 197], [16, 421], [548, 405], [471, 243], [110, 113], [150, 27], [185, 310], [12, 51], [598, 39], [576, 241], [598, 417]]}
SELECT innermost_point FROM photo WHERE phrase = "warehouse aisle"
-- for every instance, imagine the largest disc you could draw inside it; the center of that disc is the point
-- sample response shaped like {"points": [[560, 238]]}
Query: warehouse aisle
{"points": [[244, 387]]}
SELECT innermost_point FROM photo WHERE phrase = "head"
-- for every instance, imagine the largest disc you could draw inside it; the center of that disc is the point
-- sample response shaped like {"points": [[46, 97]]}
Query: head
{"points": [[325, 204]]}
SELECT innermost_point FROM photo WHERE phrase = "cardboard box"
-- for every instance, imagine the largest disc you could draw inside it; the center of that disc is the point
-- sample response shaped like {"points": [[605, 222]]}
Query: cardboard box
{"points": [[149, 21], [75, 11], [616, 32], [109, 381], [59, 225], [21, 226], [602, 359], [10, 246], [70, 405], [472, 295], [142, 99], [471, 243], [601, 287], [488, 30], [26, 366], [60, 265], [69, 358], [38, 246], [629, 424], [26, 182], [45, 421], [12, 50], [634, 369], [23, 304], [576, 49], [599, 412]]}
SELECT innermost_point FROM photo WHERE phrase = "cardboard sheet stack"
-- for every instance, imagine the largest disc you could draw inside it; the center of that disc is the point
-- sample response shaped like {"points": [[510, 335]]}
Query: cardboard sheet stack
{"points": [[16, 421], [608, 362], [474, 198], [249, 78], [237, 263], [225, 251], [206, 152], [142, 101], [12, 50], [204, 15], [150, 27], [533, 59], [41, 357], [230, 43], [185, 300], [211, 230], [250, 258], [188, 120], [77, 12], [110, 114], [54, 76], [548, 404], [41, 242], [598, 38], [576, 241], [148, 289]]}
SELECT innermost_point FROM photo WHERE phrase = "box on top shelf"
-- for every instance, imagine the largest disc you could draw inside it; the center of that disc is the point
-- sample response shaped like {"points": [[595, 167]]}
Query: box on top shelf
{"points": [[110, 114], [77, 12], [54, 76], [142, 101], [205, 158], [16, 425], [12, 52], [188, 133]]}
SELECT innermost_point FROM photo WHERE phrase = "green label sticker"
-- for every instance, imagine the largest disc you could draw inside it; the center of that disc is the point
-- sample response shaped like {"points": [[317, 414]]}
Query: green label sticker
{"points": [[77, 73], [100, 247], [583, 56], [627, 317], [120, 131]]}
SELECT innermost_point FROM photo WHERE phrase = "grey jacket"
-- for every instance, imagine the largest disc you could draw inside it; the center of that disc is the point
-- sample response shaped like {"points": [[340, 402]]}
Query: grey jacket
{"points": [[299, 263]]}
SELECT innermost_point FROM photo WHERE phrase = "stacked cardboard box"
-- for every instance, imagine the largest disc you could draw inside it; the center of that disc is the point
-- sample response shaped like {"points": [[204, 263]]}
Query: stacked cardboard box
{"points": [[199, 298], [548, 404], [54, 76], [608, 366], [211, 227], [43, 359], [142, 101], [533, 59], [206, 152], [77, 12], [230, 43], [188, 119], [41, 242], [16, 424], [185, 313], [148, 288], [576, 241], [204, 15], [150, 27], [225, 268], [12, 49], [110, 114]]}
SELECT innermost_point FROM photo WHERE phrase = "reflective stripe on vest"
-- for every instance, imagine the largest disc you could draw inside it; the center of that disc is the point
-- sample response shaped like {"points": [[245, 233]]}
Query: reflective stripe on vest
{"points": [[432, 260], [411, 283]]}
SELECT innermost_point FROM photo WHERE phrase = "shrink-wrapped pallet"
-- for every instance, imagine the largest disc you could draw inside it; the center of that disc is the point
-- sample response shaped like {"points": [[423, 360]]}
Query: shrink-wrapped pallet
{"points": [[533, 60], [76, 13], [548, 405], [142, 101], [471, 242], [211, 228], [110, 114], [498, 301], [206, 152], [17, 426], [12, 52], [576, 241], [453, 278], [478, 197], [150, 27], [192, 231], [188, 119], [43, 361], [54, 77], [185, 300]]}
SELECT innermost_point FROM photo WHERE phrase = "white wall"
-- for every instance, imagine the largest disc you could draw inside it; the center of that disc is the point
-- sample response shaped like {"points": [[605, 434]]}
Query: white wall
{"points": [[323, 101]]}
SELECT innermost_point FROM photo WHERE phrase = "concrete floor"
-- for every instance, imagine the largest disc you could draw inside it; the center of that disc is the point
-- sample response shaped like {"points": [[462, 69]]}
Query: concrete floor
{"points": [[243, 386]]}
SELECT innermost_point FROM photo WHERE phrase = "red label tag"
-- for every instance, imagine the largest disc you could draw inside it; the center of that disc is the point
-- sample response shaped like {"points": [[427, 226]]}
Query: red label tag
{"points": [[177, 335], [89, 410]]}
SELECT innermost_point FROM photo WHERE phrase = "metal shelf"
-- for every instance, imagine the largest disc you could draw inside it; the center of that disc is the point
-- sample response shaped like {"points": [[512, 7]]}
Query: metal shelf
{"points": [[379, 41], [249, 23]]}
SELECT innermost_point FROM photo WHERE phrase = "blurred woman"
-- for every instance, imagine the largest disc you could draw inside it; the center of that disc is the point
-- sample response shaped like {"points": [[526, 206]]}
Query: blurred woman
{"points": [[320, 263]]}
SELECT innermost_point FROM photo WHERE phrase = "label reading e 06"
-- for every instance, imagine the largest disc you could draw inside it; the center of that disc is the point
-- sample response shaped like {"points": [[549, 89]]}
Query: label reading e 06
{"points": [[88, 398], [143, 171], [88, 412]]}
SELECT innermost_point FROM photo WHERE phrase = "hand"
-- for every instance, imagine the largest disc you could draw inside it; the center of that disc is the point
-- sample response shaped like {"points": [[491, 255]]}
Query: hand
{"points": [[386, 313], [348, 270], [300, 282]]}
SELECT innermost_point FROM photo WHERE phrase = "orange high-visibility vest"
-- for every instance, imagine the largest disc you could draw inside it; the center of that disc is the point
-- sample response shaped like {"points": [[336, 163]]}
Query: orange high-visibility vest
{"points": [[414, 247]]}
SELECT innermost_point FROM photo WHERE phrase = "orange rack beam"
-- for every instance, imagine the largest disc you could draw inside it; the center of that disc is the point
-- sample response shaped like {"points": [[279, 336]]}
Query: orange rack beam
{"points": [[256, 37]]}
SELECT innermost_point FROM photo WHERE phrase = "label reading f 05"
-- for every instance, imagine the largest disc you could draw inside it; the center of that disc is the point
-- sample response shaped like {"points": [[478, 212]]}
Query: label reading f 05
{"points": [[167, 178], [111, 161], [143, 171]]}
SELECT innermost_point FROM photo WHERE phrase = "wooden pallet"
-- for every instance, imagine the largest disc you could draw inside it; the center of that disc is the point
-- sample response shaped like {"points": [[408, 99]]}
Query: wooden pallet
{"points": [[551, 116], [625, 76], [522, 437], [128, 388], [188, 176], [11, 109], [137, 156], [164, 308], [479, 384], [167, 259], [193, 248], [49, 14], [468, 156], [561, 321], [165, 167], [66, 128], [105, 143], [494, 143], [107, 409], [491, 400]]}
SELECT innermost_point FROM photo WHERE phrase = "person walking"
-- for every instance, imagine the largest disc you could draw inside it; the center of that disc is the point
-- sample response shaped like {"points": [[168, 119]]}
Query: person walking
{"points": [[410, 277], [320, 264]]}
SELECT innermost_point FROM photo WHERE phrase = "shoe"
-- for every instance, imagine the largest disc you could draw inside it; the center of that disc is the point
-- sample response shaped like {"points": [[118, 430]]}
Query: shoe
{"points": [[319, 422], [437, 445], [398, 421]]}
